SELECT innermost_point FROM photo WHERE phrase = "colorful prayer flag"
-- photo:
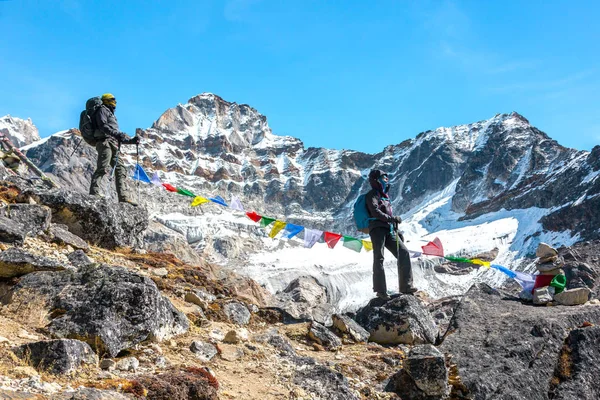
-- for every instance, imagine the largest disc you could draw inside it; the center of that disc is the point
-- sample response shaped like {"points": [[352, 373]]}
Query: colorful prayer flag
{"points": [[199, 200], [218, 200], [353, 243], [266, 221], [170, 188], [140, 175], [254, 216], [331, 239], [277, 226], [457, 259], [236, 204], [477, 261], [414, 254], [156, 180], [434, 248], [311, 236], [292, 230], [368, 245], [185, 192]]}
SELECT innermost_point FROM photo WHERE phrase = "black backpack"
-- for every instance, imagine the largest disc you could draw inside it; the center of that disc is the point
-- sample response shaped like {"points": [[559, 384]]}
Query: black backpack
{"points": [[86, 120]]}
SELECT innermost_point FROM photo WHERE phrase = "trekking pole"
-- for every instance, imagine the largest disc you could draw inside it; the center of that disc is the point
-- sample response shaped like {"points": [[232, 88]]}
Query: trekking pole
{"points": [[137, 162], [76, 146]]}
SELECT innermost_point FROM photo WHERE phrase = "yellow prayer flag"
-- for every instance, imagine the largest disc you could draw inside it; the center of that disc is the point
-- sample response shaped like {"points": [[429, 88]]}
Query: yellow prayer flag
{"points": [[199, 200], [367, 245], [481, 262], [277, 226]]}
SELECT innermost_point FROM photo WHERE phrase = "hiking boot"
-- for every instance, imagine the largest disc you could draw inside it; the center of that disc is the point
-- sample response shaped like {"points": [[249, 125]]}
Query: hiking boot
{"points": [[411, 290], [382, 296], [129, 201]]}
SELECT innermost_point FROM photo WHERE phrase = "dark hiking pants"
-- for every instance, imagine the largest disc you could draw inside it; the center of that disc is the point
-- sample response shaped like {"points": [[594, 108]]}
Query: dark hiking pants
{"points": [[107, 158], [382, 237]]}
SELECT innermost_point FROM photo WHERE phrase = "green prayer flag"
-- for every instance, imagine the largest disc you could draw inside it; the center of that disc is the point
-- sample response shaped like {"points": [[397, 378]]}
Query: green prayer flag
{"points": [[185, 192], [266, 221], [353, 243], [458, 259]]}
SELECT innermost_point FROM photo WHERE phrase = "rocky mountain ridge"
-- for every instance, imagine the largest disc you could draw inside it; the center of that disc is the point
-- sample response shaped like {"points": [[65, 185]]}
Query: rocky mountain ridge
{"points": [[211, 145]]}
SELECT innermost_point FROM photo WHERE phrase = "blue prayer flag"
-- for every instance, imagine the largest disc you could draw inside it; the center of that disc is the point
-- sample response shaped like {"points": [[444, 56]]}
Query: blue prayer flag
{"points": [[218, 200], [140, 175], [292, 230]]}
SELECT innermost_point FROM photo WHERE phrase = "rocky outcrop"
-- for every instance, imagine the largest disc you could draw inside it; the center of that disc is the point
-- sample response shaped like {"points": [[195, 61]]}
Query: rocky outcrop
{"points": [[111, 308], [61, 356], [577, 370], [582, 266], [11, 231], [95, 219], [17, 262], [499, 345], [34, 219], [403, 320], [305, 298]]}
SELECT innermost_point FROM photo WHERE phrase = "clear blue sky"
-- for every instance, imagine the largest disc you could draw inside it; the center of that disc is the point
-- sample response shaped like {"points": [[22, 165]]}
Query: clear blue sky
{"points": [[337, 74]]}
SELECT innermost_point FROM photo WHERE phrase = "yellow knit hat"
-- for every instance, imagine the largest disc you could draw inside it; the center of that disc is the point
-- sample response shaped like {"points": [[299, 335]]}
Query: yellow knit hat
{"points": [[109, 100]]}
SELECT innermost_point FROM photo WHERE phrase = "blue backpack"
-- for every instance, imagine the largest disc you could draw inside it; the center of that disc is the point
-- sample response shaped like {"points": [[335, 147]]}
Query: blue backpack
{"points": [[361, 214]]}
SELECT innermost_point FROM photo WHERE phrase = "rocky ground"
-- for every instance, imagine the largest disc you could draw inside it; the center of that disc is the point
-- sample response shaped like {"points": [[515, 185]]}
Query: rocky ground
{"points": [[97, 302]]}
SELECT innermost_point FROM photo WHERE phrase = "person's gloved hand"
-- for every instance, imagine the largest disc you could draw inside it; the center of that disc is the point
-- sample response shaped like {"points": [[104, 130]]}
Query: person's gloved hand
{"points": [[135, 140], [122, 137], [397, 220]]}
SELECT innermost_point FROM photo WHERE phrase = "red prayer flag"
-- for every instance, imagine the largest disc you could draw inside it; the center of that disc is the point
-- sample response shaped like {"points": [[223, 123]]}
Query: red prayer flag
{"points": [[434, 248], [254, 216], [331, 239], [170, 188]]}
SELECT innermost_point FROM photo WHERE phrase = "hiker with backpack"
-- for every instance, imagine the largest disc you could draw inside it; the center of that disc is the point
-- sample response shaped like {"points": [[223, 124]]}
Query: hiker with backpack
{"points": [[99, 128], [383, 229]]}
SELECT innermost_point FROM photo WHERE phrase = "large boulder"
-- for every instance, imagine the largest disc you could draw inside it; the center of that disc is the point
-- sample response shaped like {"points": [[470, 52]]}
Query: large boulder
{"points": [[61, 356], [402, 320], [323, 336], [577, 372], [97, 220], [305, 298], [111, 308], [16, 262], [503, 348], [346, 326]]}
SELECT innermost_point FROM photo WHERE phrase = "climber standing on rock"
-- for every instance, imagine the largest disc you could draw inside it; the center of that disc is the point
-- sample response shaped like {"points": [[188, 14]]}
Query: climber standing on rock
{"points": [[108, 142], [383, 229]]}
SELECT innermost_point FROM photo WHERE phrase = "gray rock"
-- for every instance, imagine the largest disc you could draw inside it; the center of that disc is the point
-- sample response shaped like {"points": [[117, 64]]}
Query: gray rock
{"points": [[237, 313], [424, 375], [96, 220], [542, 296], [324, 336], [204, 351], [576, 375], [16, 262], [63, 236], [61, 356], [111, 308], [323, 383], [573, 297], [305, 299], [11, 231], [34, 219], [503, 348], [108, 364], [403, 320], [160, 272], [128, 364], [79, 259], [347, 325]]}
